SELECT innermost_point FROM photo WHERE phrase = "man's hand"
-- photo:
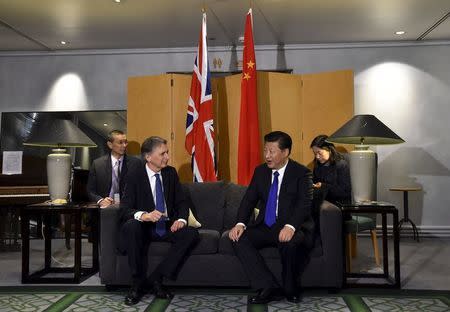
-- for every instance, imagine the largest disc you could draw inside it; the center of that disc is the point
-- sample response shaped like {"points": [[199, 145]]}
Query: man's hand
{"points": [[286, 234], [317, 185], [177, 225], [105, 202], [153, 216], [236, 232]]}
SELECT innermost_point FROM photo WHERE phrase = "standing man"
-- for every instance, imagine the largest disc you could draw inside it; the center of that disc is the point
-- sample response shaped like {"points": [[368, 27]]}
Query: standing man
{"points": [[106, 177], [284, 189], [154, 208]]}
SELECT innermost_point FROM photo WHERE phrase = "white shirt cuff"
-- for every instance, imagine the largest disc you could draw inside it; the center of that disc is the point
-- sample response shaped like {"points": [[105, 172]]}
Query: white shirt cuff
{"points": [[137, 215], [290, 226], [240, 223], [182, 220], [98, 202]]}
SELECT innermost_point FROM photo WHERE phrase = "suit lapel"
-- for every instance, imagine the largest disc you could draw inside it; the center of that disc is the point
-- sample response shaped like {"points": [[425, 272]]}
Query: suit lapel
{"points": [[267, 182], [108, 170], [147, 188], [166, 179]]}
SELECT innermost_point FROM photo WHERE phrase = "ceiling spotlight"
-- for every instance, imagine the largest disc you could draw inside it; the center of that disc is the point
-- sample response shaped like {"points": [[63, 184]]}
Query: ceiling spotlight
{"points": [[105, 124], [63, 42], [400, 32], [117, 1]]}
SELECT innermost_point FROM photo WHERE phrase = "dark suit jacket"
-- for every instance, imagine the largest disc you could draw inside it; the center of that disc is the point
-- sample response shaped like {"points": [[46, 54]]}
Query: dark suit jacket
{"points": [[138, 195], [294, 199], [100, 176]]}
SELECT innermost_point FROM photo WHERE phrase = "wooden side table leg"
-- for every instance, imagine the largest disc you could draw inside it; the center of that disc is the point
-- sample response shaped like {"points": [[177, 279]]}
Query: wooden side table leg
{"points": [[373, 235], [348, 242], [25, 235], [77, 260]]}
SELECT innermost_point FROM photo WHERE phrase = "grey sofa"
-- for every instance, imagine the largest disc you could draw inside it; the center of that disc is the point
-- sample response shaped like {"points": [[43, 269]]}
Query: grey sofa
{"points": [[212, 262]]}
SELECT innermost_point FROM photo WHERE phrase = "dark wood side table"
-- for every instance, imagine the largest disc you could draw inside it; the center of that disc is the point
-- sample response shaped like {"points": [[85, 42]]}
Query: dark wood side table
{"points": [[384, 209], [48, 210], [406, 218]]}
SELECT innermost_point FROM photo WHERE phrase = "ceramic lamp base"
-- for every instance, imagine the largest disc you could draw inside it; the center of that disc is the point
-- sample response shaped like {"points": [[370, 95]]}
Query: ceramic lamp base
{"points": [[363, 173], [59, 165]]}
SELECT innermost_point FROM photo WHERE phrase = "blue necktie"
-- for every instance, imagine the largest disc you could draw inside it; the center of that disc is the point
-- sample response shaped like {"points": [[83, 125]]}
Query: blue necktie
{"points": [[271, 206], [160, 225]]}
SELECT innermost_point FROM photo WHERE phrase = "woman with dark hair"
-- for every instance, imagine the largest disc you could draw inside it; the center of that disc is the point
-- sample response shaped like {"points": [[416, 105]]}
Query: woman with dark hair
{"points": [[331, 174]]}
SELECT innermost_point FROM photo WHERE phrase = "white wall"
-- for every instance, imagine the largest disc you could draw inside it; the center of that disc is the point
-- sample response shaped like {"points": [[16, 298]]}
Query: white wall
{"points": [[407, 86]]}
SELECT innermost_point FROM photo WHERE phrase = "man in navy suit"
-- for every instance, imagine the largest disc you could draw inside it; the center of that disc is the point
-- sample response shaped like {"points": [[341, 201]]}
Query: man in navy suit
{"points": [[284, 190], [154, 208], [107, 173]]}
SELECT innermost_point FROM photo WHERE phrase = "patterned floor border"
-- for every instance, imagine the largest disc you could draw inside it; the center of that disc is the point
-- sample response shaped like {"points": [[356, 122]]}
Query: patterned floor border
{"points": [[81, 299]]}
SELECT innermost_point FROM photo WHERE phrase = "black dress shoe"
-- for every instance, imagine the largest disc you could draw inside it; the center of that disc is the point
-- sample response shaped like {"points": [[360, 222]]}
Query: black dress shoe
{"points": [[160, 291], [134, 296], [294, 298], [265, 296]]}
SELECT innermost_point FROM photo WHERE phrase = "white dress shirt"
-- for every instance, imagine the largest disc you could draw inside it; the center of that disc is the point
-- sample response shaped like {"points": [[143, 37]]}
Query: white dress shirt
{"points": [[152, 179]]}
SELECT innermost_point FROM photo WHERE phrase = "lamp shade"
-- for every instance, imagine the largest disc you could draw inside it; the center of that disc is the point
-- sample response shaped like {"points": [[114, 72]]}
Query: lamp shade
{"points": [[58, 133], [365, 129]]}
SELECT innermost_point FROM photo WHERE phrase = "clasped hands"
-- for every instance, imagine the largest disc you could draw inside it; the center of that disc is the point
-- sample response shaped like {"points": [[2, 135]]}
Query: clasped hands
{"points": [[284, 236], [154, 217]]}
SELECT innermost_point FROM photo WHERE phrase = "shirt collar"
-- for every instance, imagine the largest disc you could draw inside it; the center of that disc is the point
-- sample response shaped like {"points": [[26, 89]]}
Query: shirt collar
{"points": [[281, 170], [150, 172], [113, 160]]}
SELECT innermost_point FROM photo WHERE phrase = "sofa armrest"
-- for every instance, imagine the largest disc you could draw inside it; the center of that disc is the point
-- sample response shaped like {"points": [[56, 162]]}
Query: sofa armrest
{"points": [[108, 242], [331, 236]]}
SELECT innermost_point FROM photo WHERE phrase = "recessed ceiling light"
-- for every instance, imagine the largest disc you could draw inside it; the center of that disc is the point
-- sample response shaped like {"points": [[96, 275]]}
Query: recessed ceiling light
{"points": [[105, 124], [400, 32], [117, 1], [63, 42]]}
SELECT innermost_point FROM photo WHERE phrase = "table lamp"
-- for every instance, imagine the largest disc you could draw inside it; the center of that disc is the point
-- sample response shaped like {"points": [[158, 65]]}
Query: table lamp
{"points": [[58, 134], [364, 130]]}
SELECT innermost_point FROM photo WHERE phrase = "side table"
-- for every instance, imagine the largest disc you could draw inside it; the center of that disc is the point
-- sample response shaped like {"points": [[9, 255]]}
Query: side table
{"points": [[406, 218], [384, 209], [47, 210]]}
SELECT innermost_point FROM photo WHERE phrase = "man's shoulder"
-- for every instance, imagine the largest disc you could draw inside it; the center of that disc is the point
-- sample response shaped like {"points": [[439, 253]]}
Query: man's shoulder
{"points": [[101, 159], [133, 160], [295, 166]]}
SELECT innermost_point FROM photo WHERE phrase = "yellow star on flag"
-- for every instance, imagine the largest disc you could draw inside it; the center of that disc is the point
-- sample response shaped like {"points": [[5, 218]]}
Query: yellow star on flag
{"points": [[250, 64], [246, 76]]}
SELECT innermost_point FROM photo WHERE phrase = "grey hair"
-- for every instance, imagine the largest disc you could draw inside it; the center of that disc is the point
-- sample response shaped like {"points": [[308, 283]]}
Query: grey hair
{"points": [[150, 144], [113, 133]]}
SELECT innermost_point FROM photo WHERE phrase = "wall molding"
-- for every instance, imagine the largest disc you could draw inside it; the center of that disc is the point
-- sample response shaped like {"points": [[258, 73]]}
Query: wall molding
{"points": [[286, 47]]}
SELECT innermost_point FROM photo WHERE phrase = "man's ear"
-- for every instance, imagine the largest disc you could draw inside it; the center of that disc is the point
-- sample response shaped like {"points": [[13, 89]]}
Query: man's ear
{"points": [[109, 144]]}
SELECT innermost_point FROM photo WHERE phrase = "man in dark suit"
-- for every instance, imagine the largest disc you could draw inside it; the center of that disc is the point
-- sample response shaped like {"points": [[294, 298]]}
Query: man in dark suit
{"points": [[107, 174], [283, 188], [154, 208]]}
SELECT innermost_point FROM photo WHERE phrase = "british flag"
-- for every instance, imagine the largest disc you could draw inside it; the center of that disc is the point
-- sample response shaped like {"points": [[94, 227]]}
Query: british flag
{"points": [[199, 122]]}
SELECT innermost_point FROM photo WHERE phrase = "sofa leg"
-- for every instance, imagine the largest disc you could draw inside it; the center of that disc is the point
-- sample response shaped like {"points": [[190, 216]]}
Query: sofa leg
{"points": [[348, 255]]}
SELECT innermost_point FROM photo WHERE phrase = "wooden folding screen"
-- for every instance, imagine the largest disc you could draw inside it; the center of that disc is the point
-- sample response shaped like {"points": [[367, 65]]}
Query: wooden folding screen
{"points": [[301, 105]]}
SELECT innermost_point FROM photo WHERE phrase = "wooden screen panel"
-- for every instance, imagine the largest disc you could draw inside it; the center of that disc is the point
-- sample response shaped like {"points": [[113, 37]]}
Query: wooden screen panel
{"points": [[228, 124], [283, 108], [181, 160], [327, 103], [149, 109], [221, 114]]}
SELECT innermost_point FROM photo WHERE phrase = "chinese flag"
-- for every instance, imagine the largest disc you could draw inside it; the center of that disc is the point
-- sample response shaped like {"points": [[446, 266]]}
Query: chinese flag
{"points": [[249, 149]]}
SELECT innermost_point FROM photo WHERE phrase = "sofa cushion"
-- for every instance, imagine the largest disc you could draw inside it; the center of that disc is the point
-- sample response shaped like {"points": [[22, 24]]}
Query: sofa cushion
{"points": [[233, 197], [208, 244], [207, 201]]}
